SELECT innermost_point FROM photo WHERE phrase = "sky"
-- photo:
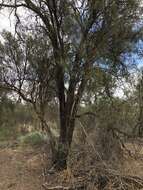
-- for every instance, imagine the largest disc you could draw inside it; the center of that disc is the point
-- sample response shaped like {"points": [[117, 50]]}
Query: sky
{"points": [[6, 22]]}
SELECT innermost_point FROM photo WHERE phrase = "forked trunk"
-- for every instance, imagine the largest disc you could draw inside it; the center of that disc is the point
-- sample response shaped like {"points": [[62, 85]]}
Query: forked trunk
{"points": [[67, 109]]}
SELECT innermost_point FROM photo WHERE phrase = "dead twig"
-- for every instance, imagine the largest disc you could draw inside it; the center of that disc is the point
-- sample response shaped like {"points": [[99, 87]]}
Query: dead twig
{"points": [[46, 187]]}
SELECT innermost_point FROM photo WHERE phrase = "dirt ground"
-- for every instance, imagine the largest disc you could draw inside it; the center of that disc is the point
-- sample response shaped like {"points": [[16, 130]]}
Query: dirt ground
{"points": [[20, 169], [133, 165]]}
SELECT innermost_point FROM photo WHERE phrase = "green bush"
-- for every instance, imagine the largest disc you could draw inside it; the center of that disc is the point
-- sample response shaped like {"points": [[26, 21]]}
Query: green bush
{"points": [[4, 134], [33, 138], [8, 133]]}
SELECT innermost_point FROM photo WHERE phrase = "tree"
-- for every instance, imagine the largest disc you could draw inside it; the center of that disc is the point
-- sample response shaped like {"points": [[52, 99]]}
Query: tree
{"points": [[6, 107], [26, 70], [82, 35], [138, 95]]}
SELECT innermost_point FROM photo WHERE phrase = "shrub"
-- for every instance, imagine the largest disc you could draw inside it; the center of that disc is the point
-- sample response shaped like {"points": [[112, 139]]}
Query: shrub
{"points": [[8, 133], [33, 138]]}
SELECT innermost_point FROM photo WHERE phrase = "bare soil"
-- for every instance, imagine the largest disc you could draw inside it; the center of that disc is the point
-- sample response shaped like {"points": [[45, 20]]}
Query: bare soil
{"points": [[20, 168]]}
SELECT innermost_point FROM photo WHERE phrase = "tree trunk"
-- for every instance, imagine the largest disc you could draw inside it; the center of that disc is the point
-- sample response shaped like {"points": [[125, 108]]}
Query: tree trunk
{"points": [[60, 161], [67, 125], [68, 110], [64, 144]]}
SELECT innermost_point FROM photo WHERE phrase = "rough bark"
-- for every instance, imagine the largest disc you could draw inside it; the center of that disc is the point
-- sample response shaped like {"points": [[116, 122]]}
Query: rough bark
{"points": [[64, 145]]}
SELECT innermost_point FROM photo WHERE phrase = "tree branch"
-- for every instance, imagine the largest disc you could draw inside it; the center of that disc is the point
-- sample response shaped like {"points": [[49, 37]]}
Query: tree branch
{"points": [[86, 113]]}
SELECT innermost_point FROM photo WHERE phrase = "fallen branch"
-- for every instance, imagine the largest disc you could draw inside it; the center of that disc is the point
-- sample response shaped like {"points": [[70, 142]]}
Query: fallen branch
{"points": [[137, 181], [46, 187], [55, 188]]}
